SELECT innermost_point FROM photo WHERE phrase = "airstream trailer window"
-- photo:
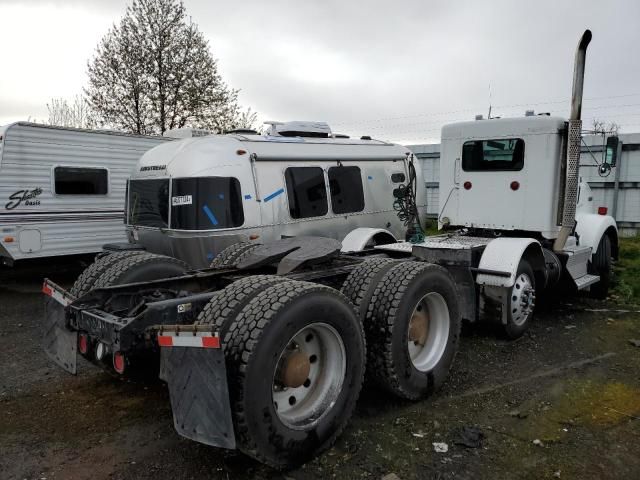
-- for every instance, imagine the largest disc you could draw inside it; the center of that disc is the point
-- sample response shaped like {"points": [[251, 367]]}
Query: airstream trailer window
{"points": [[493, 155], [397, 177], [81, 181], [345, 184], [206, 203], [149, 203], [306, 191]]}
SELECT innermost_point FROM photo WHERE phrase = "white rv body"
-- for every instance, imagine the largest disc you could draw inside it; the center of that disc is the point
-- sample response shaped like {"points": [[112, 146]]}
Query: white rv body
{"points": [[37, 220], [260, 164]]}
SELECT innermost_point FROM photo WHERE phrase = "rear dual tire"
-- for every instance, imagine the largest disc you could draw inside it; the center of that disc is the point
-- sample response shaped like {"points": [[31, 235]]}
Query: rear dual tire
{"points": [[289, 331], [413, 319]]}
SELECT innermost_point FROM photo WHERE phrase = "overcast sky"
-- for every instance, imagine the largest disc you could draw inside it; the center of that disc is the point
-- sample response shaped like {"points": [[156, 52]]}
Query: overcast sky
{"points": [[396, 70]]}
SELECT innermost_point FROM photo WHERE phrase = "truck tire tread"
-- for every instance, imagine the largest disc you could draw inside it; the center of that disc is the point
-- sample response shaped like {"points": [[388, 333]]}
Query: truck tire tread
{"points": [[361, 282], [230, 256], [84, 283], [113, 275], [223, 308]]}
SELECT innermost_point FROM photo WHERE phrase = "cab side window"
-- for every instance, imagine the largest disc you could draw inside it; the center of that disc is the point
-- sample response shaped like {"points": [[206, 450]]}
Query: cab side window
{"points": [[306, 191], [345, 184]]}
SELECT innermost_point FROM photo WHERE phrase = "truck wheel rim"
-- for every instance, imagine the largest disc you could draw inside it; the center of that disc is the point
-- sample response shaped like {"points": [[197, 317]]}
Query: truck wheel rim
{"points": [[428, 332], [522, 299], [316, 352]]}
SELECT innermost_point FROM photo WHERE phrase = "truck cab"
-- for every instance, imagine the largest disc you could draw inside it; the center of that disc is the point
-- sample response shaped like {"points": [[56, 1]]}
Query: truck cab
{"points": [[502, 174]]}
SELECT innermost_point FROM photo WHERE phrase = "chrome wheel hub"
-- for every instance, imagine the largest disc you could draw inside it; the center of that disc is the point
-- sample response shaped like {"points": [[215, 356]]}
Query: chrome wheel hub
{"points": [[523, 298]]}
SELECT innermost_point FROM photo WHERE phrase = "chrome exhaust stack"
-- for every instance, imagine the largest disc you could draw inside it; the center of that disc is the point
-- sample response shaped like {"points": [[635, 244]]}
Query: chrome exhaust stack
{"points": [[572, 158]]}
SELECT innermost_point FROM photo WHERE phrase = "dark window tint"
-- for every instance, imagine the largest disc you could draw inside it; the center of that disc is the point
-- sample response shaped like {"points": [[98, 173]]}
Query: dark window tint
{"points": [[306, 191], [493, 155], [397, 177], [149, 203], [206, 203], [81, 181], [345, 184]]}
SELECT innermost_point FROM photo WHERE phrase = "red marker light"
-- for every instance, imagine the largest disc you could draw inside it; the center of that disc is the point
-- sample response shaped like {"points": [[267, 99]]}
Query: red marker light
{"points": [[602, 210], [515, 185], [119, 362], [467, 185], [83, 344]]}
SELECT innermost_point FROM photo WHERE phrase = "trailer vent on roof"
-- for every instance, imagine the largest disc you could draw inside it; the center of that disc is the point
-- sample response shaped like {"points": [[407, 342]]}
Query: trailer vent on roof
{"points": [[299, 129]]}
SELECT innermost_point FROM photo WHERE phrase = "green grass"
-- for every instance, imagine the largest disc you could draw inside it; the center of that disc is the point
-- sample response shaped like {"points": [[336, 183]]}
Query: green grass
{"points": [[627, 271], [430, 227]]}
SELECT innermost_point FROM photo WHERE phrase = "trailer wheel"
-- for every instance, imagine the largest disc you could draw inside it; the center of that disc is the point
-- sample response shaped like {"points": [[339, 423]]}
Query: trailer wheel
{"points": [[414, 322], [295, 364], [223, 308], [601, 265], [521, 301], [362, 281], [231, 256], [139, 268], [84, 283]]}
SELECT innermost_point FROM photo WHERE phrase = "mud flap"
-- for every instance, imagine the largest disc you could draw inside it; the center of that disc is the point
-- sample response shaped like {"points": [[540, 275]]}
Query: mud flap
{"points": [[59, 343], [197, 380]]}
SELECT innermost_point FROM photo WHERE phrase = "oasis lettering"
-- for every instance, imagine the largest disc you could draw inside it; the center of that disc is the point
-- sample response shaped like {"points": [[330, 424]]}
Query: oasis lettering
{"points": [[26, 196]]}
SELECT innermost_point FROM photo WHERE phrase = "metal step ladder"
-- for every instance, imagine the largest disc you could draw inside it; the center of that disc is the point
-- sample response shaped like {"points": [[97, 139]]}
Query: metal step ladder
{"points": [[577, 261]]}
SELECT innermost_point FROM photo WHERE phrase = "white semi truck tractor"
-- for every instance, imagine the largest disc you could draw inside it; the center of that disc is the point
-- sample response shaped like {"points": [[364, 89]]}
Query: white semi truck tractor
{"points": [[266, 350]]}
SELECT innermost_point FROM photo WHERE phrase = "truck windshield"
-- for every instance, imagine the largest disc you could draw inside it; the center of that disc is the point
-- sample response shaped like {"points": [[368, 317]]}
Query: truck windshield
{"points": [[206, 203], [149, 203]]}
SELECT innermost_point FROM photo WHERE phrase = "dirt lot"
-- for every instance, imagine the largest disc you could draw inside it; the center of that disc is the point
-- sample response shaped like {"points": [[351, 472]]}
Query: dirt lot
{"points": [[572, 384]]}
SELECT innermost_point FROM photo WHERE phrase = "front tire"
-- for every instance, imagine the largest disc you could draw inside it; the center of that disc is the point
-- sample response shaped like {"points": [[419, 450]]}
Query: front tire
{"points": [[295, 364], [521, 302], [601, 265]]}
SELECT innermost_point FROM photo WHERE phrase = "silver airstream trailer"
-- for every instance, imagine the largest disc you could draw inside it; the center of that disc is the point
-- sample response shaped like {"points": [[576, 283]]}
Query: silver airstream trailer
{"points": [[189, 199]]}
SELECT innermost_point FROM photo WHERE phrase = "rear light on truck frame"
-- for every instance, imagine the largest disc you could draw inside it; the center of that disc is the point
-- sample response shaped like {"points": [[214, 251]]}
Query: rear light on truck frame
{"points": [[119, 362], [101, 351], [83, 343]]}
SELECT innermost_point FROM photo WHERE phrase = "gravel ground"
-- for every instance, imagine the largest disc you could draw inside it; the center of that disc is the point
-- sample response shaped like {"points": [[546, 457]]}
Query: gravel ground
{"points": [[562, 402]]}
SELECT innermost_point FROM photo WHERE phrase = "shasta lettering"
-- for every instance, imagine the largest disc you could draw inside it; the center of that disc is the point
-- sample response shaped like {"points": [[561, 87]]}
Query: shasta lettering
{"points": [[26, 196]]}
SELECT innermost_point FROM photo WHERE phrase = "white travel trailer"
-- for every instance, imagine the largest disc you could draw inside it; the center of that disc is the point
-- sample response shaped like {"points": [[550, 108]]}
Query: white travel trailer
{"points": [[191, 198], [62, 189]]}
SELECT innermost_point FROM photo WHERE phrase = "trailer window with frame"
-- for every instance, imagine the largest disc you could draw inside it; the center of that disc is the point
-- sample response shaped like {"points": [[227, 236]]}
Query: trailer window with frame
{"points": [[206, 203], [80, 181], [306, 191], [345, 185], [148, 203], [493, 155]]}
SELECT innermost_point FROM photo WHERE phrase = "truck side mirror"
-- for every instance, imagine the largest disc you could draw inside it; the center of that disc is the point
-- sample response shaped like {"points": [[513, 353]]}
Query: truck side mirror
{"points": [[611, 151]]}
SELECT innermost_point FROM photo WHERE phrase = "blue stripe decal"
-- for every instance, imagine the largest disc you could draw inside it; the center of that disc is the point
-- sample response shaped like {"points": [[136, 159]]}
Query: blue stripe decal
{"points": [[370, 177], [274, 195], [221, 196], [210, 214], [247, 197]]}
